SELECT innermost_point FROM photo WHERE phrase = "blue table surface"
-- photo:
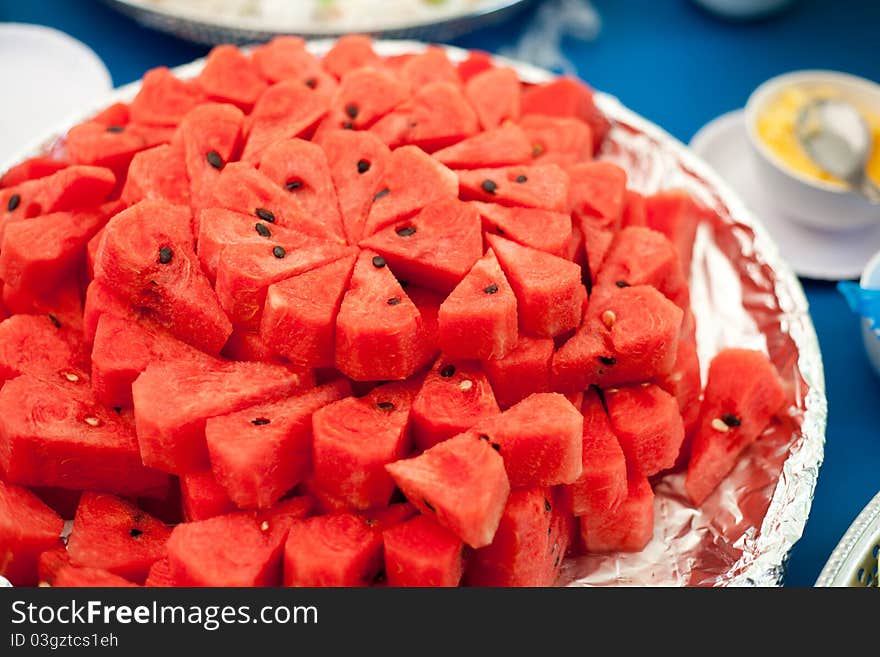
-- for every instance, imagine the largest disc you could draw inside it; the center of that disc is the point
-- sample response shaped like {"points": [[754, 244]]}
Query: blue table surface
{"points": [[679, 67]]}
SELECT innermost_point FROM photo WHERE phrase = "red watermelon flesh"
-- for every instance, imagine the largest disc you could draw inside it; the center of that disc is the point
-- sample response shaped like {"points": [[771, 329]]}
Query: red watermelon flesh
{"points": [[634, 210], [160, 575], [549, 294], [377, 338], [534, 186], [147, 258], [684, 383], [31, 169], [101, 300], [364, 96], [412, 180], [332, 550], [57, 434], [355, 438], [476, 62], [202, 497], [432, 65], [285, 58], [497, 147], [629, 527], [357, 162], [350, 52], [743, 393], [158, 173], [523, 371], [70, 576], [229, 76], [50, 562], [64, 303], [560, 140], [420, 552], [648, 425], [116, 536], [435, 248], [286, 110], [163, 99], [567, 97], [461, 482], [495, 95], [391, 515], [35, 345], [598, 190], [544, 230], [27, 529], [539, 438], [301, 167], [262, 452], [436, 116], [454, 396], [171, 429], [676, 214], [479, 319], [428, 304], [602, 484], [115, 114], [597, 242], [95, 144], [640, 344], [245, 344]]}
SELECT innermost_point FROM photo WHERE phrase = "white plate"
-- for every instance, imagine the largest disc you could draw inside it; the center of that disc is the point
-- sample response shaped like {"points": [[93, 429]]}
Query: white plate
{"points": [[45, 75], [812, 253]]}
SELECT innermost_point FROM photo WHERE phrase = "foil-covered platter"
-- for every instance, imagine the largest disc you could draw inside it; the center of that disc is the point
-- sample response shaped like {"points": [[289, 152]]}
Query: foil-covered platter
{"points": [[743, 294]]}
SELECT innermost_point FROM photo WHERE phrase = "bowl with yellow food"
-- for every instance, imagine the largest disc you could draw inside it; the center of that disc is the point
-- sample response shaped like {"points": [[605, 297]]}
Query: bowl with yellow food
{"points": [[798, 187]]}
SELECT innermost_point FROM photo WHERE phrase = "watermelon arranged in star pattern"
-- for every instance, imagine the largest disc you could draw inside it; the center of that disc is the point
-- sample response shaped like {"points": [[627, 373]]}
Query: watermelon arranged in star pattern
{"points": [[348, 321]]}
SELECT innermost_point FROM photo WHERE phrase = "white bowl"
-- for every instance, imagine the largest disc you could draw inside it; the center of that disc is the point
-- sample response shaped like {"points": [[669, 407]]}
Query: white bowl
{"points": [[871, 281], [813, 202]]}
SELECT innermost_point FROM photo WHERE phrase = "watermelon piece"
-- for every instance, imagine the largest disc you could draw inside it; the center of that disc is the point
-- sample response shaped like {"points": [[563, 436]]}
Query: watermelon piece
{"points": [[437, 115], [284, 111], [743, 393], [479, 318], [597, 242], [524, 370], [503, 146], [158, 173], [27, 529], [159, 575], [171, 434], [285, 58], [355, 438], [244, 344], [64, 303], [147, 258], [567, 96], [435, 248], [332, 550], [454, 396], [299, 317], [598, 190], [51, 561], [684, 383], [495, 96], [602, 485], [96, 144], [629, 527], [101, 300], [677, 215], [635, 212], [70, 576], [377, 338], [32, 168], [540, 229], [412, 180], [56, 434], [549, 294], [350, 51], [428, 304], [116, 536], [540, 440], [431, 65], [163, 99], [476, 62], [630, 335], [364, 96], [229, 76], [560, 140], [420, 552], [648, 425], [202, 497], [461, 482], [260, 453], [391, 515], [357, 162], [301, 167], [534, 186], [115, 114], [35, 345]]}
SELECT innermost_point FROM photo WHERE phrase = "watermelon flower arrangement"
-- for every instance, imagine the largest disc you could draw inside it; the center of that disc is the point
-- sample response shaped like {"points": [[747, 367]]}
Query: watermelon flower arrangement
{"points": [[346, 321]]}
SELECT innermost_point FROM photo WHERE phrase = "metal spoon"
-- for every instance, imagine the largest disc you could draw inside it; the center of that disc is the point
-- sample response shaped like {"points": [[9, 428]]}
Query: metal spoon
{"points": [[838, 140]]}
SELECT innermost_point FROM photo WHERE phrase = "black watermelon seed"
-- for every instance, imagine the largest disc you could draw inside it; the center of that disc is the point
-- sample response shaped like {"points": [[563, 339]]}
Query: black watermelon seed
{"points": [[381, 193], [521, 179], [403, 284], [260, 421], [279, 252], [363, 166], [263, 230], [429, 505], [134, 532], [446, 373], [311, 83], [537, 150], [115, 128], [378, 262], [54, 320], [622, 284], [385, 406], [293, 185], [547, 506], [393, 301], [352, 110], [608, 360], [489, 186], [490, 289], [496, 447], [165, 255], [14, 202], [265, 215], [117, 409], [731, 420], [348, 125], [407, 231], [214, 159]]}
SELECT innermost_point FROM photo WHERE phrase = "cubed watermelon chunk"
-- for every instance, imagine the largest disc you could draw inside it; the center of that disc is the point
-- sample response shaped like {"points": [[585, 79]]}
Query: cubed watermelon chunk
{"points": [[533, 186], [499, 147], [629, 527], [420, 552], [202, 497], [495, 95], [540, 229], [523, 371], [27, 529]]}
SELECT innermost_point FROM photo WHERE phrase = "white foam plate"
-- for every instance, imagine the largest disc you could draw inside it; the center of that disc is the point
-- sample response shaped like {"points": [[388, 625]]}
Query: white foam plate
{"points": [[812, 253], [45, 75]]}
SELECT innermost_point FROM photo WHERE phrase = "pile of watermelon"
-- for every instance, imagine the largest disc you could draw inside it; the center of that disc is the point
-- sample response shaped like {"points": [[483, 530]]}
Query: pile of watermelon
{"points": [[348, 321]]}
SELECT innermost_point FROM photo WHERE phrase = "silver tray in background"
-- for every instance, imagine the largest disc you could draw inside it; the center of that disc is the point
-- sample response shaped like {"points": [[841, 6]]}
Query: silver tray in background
{"points": [[242, 30], [743, 294]]}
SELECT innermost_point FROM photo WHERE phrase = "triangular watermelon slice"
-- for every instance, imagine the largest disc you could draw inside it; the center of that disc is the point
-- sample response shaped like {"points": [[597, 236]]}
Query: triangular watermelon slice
{"points": [[350, 52], [27, 529], [629, 527], [158, 173], [567, 96], [364, 96], [92, 143], [560, 140], [536, 186], [285, 58], [247, 344], [676, 214], [420, 552], [499, 147], [32, 168], [598, 190], [544, 230], [476, 62], [524, 370], [34, 344], [163, 99], [431, 65], [597, 241], [229, 76], [495, 95]]}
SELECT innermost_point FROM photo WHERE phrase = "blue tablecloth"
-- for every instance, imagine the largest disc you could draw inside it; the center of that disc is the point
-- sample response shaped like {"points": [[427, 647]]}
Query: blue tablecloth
{"points": [[679, 67]]}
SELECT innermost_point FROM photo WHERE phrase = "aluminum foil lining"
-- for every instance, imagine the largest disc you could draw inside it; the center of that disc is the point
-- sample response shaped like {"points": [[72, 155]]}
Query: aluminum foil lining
{"points": [[744, 295]]}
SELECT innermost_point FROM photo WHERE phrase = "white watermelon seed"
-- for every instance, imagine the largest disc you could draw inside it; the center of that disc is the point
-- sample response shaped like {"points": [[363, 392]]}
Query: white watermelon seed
{"points": [[92, 421], [465, 385], [719, 425], [608, 318], [70, 376], [265, 526]]}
